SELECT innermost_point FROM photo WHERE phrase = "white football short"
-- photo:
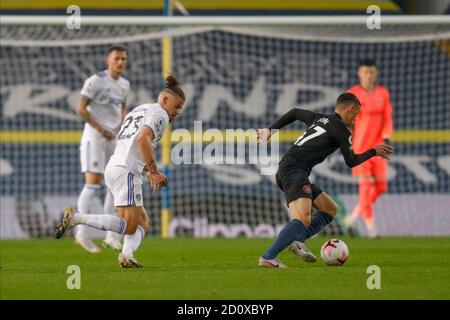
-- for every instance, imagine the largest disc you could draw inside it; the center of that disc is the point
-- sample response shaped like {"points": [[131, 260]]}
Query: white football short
{"points": [[95, 152], [125, 186]]}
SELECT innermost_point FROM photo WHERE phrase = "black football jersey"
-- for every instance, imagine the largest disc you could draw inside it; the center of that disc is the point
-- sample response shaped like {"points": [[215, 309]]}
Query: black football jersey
{"points": [[325, 133]]}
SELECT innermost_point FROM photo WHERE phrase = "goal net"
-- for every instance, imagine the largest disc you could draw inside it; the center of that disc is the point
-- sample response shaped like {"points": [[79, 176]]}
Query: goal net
{"points": [[236, 75]]}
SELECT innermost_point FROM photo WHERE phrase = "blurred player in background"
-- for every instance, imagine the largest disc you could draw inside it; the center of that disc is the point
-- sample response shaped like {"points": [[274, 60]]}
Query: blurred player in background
{"points": [[372, 126], [325, 134], [103, 108], [142, 128]]}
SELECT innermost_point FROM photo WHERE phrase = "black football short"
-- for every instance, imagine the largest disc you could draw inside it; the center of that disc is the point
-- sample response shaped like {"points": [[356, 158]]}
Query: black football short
{"points": [[294, 181]]}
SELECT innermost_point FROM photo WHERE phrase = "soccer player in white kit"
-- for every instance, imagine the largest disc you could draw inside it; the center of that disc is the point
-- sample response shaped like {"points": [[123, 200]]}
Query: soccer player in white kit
{"points": [[133, 156], [103, 108]]}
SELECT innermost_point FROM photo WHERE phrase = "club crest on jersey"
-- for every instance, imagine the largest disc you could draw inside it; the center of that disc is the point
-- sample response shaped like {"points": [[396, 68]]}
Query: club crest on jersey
{"points": [[323, 120], [159, 124], [306, 188]]}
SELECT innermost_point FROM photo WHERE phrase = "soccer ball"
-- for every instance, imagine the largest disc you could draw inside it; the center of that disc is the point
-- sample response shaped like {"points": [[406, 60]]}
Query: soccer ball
{"points": [[334, 252]]}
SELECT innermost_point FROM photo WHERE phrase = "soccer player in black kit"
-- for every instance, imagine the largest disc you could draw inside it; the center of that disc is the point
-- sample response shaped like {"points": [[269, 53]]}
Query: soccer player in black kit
{"points": [[325, 134]]}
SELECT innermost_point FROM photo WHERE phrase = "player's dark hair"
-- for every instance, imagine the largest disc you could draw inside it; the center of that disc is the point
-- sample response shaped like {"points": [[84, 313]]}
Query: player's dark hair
{"points": [[116, 48], [172, 85], [367, 62], [346, 99]]}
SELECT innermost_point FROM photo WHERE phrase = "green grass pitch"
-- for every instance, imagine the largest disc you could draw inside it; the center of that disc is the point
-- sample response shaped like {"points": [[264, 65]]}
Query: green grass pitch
{"points": [[411, 268]]}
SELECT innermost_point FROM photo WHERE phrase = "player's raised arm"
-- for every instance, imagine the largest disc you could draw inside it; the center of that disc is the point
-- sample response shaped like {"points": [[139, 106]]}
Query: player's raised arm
{"points": [[294, 114], [302, 115], [144, 141]]}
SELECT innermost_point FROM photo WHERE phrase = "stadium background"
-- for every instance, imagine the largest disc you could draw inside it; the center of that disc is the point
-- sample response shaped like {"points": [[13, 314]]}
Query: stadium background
{"points": [[40, 131]]}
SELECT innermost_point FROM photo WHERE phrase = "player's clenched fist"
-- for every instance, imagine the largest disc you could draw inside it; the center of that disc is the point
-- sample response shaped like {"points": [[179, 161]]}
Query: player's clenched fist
{"points": [[157, 180]]}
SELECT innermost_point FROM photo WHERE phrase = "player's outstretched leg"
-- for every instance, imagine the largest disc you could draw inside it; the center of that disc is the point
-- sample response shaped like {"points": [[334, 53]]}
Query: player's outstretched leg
{"points": [[65, 224], [301, 218], [327, 210], [288, 234], [98, 221]]}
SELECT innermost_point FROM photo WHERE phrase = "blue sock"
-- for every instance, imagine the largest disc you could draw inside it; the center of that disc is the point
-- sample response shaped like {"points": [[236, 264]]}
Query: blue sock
{"points": [[290, 232], [318, 221]]}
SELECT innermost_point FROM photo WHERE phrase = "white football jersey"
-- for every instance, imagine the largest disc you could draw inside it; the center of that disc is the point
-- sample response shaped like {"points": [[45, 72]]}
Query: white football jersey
{"points": [[107, 96], [127, 152]]}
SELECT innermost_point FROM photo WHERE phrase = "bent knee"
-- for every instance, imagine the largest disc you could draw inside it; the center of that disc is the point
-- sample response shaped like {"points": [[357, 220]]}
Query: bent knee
{"points": [[305, 219], [131, 227], [332, 208], [93, 178], [133, 222]]}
